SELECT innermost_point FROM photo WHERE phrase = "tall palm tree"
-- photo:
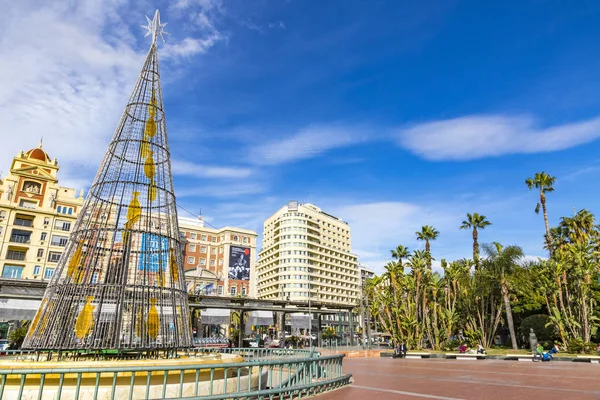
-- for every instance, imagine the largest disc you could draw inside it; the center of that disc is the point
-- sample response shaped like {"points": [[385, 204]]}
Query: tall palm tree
{"points": [[427, 234], [475, 222], [543, 182], [503, 262], [400, 253]]}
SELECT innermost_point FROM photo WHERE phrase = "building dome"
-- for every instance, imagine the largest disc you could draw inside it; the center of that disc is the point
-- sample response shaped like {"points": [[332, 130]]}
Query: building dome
{"points": [[38, 154]]}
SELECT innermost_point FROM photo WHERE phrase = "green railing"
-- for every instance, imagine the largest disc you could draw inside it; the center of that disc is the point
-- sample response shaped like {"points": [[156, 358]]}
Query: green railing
{"points": [[281, 373]]}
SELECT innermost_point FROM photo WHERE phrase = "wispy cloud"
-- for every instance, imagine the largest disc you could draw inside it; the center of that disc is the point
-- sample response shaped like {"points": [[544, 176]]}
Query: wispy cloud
{"points": [[481, 136], [306, 143], [232, 189], [65, 73], [187, 168]]}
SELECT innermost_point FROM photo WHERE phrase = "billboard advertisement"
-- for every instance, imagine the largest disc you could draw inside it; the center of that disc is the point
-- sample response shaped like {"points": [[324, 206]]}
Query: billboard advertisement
{"points": [[154, 252], [239, 263]]}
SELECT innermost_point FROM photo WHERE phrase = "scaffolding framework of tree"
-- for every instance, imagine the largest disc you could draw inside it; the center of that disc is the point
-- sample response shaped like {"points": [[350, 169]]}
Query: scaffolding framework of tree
{"points": [[120, 283]]}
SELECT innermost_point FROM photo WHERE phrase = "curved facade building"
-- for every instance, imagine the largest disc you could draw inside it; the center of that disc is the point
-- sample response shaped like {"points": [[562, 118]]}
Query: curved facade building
{"points": [[307, 254]]}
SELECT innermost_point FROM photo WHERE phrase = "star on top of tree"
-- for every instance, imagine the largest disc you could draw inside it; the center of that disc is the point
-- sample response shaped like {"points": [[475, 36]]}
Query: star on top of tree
{"points": [[155, 28]]}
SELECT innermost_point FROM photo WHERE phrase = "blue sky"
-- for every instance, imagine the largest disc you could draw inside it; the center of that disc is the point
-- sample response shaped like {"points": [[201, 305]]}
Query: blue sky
{"points": [[389, 114]]}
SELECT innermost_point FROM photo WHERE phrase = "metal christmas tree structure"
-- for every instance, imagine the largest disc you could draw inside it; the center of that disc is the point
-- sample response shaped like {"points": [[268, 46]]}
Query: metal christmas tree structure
{"points": [[119, 283]]}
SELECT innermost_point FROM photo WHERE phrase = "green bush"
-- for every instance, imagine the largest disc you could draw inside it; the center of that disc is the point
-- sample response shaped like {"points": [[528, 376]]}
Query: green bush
{"points": [[577, 345], [451, 345], [538, 322]]}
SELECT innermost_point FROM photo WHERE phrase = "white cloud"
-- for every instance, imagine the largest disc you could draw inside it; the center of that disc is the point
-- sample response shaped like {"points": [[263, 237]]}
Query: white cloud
{"points": [[66, 71], [190, 46], [187, 168], [308, 142], [378, 227], [224, 190], [480, 136]]}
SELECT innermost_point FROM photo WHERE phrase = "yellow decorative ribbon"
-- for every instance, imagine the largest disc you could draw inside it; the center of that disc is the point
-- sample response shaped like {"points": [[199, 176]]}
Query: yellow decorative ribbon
{"points": [[173, 265], [85, 321], [153, 321]]}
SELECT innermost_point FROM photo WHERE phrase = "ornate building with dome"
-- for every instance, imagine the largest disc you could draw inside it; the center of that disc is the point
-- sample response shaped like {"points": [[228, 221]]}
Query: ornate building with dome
{"points": [[36, 216]]}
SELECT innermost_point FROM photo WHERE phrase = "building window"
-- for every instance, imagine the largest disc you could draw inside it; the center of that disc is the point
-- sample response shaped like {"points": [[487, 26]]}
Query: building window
{"points": [[244, 290], [62, 225], [59, 240], [245, 240], [193, 236], [18, 255], [12, 272], [43, 236], [191, 260], [220, 290], [95, 277], [202, 261], [202, 249], [235, 238], [46, 221], [36, 270], [53, 256], [1, 229], [59, 209], [212, 263], [233, 290], [214, 239], [192, 248], [48, 273], [70, 211], [221, 250], [23, 221], [213, 251], [28, 204], [203, 237], [221, 261]]}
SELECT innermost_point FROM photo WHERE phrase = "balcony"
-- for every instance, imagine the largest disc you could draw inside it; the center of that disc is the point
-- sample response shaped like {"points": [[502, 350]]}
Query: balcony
{"points": [[20, 239], [23, 222], [15, 255]]}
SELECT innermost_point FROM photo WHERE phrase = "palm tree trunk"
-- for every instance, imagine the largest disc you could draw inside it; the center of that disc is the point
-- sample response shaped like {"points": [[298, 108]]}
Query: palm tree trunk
{"points": [[548, 237], [428, 251], [475, 249], [509, 317]]}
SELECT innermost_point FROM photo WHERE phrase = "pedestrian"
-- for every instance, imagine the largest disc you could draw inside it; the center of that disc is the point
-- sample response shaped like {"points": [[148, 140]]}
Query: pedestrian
{"points": [[480, 349], [539, 352], [403, 350]]}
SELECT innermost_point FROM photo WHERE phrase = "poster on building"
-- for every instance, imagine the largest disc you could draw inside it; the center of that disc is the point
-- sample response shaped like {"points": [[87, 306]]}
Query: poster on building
{"points": [[239, 263], [154, 252]]}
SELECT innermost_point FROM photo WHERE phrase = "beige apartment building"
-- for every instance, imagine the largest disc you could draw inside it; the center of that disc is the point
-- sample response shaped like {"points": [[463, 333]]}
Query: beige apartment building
{"points": [[36, 216], [306, 254], [218, 262]]}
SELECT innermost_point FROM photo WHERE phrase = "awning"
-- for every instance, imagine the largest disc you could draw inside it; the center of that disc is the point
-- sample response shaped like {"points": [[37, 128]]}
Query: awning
{"points": [[18, 309], [215, 316]]}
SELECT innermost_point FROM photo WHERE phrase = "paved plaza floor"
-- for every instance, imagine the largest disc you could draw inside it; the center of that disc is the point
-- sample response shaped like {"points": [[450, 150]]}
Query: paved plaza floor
{"points": [[387, 378]]}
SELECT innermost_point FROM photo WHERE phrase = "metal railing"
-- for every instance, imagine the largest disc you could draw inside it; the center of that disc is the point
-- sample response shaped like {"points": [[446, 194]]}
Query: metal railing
{"points": [[266, 373]]}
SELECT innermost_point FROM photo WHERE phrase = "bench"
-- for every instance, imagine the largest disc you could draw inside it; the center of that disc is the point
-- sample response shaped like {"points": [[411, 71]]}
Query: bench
{"points": [[592, 359], [466, 356], [520, 357], [415, 354]]}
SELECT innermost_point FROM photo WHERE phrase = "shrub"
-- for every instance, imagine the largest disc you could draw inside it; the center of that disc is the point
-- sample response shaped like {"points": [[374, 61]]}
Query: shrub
{"points": [[538, 322], [451, 344]]}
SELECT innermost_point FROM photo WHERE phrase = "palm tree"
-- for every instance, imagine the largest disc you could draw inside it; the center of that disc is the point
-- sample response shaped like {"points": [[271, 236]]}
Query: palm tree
{"points": [[399, 253], [427, 234], [543, 182], [503, 262], [475, 221]]}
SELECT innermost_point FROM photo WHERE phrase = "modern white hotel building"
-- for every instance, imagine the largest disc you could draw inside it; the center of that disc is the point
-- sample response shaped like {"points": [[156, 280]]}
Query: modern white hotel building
{"points": [[307, 254]]}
